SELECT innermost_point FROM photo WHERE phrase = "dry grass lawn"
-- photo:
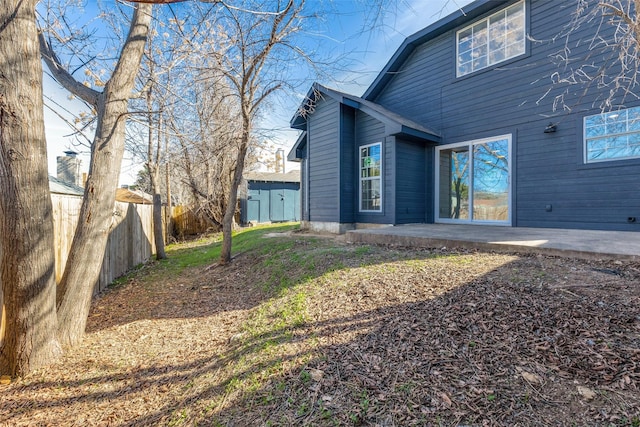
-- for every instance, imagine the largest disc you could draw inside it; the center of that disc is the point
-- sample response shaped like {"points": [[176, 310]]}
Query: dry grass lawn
{"points": [[304, 330]]}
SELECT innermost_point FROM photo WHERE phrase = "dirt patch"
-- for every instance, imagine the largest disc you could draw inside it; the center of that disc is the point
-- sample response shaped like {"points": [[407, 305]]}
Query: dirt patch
{"points": [[358, 336]]}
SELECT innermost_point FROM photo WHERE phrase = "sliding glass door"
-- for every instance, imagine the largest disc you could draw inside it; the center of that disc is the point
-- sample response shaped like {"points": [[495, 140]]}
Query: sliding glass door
{"points": [[473, 181]]}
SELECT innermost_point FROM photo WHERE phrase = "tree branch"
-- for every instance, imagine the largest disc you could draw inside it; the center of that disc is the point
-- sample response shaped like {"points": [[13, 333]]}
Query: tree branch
{"points": [[63, 76]]}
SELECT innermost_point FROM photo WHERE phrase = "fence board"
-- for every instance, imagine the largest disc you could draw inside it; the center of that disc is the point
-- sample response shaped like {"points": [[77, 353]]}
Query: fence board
{"points": [[130, 240], [187, 222]]}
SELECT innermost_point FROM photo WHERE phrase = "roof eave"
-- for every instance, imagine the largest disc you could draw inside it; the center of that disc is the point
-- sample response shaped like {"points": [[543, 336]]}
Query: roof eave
{"points": [[293, 156], [299, 121], [455, 19], [413, 134]]}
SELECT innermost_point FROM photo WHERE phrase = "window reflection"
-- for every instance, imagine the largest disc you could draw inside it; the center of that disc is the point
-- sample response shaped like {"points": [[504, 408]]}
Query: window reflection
{"points": [[612, 136], [494, 39], [370, 177], [474, 181]]}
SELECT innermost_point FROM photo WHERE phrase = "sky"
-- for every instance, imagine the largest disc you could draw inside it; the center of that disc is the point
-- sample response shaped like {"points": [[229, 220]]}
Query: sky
{"points": [[367, 53]]}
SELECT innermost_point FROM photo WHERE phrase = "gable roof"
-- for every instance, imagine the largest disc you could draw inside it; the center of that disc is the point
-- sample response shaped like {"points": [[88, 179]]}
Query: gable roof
{"points": [[463, 15], [394, 123]]}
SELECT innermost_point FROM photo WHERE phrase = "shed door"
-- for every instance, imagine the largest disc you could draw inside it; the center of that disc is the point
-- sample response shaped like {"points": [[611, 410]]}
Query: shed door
{"points": [[277, 203], [253, 206], [290, 205]]}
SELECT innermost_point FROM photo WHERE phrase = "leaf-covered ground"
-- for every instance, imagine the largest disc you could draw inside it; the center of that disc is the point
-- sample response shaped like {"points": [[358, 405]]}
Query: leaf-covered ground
{"points": [[304, 330]]}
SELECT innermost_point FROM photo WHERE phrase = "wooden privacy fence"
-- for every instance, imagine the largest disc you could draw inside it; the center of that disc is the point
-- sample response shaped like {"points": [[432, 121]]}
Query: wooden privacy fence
{"points": [[187, 222], [130, 240]]}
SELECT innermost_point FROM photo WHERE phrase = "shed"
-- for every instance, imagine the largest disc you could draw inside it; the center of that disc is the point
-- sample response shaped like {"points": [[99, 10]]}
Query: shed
{"points": [[270, 197]]}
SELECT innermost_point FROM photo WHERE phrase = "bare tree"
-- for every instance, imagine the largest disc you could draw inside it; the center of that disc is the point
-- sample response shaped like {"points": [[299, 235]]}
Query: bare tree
{"points": [[163, 81], [155, 104], [153, 168], [612, 64], [89, 242], [243, 49], [207, 135], [254, 43]]}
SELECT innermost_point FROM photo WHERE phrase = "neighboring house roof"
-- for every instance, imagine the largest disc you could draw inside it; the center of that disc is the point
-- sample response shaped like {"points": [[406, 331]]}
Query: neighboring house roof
{"points": [[130, 196], [291, 176], [58, 186], [461, 16]]}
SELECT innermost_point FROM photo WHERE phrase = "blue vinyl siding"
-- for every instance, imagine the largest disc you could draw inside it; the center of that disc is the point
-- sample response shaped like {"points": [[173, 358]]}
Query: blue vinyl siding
{"points": [[324, 162], [548, 169], [411, 183], [348, 166], [370, 131]]}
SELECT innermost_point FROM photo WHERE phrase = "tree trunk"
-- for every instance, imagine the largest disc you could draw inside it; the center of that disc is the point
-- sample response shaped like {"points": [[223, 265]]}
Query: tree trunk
{"points": [[154, 174], [169, 228], [227, 221], [458, 191], [169, 217], [89, 242], [26, 223]]}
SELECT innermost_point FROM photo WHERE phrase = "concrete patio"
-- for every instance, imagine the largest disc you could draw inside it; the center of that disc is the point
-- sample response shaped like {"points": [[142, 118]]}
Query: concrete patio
{"points": [[588, 244]]}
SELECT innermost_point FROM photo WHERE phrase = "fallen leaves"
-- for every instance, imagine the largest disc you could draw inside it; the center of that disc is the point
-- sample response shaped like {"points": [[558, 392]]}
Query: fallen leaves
{"points": [[391, 337], [531, 378], [483, 346], [586, 392]]}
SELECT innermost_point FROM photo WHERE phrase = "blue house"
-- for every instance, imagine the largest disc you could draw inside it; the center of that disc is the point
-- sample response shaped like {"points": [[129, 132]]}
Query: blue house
{"points": [[462, 126]]}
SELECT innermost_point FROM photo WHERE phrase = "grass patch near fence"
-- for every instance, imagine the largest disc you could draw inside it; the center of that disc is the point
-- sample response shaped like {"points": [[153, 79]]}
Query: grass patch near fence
{"points": [[207, 249]]}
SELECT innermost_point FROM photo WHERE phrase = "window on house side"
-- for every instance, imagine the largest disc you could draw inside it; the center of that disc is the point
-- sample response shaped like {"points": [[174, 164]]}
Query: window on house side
{"points": [[612, 136], [371, 178], [496, 38]]}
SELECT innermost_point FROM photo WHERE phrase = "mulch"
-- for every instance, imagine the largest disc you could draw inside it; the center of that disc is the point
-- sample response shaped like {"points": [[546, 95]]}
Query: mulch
{"points": [[390, 337]]}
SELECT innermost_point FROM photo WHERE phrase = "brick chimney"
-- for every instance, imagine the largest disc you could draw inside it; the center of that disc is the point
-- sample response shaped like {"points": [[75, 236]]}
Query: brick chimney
{"points": [[69, 168]]}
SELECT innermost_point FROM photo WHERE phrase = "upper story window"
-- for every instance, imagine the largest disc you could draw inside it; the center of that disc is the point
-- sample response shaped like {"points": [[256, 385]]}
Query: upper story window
{"points": [[494, 39], [371, 178], [612, 136]]}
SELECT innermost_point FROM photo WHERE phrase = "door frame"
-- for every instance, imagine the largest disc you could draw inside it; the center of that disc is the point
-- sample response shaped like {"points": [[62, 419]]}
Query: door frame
{"points": [[471, 144]]}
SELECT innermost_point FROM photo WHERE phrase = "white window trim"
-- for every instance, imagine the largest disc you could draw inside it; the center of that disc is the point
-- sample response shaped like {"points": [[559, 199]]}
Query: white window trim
{"points": [[360, 178], [585, 157], [487, 19], [470, 144]]}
